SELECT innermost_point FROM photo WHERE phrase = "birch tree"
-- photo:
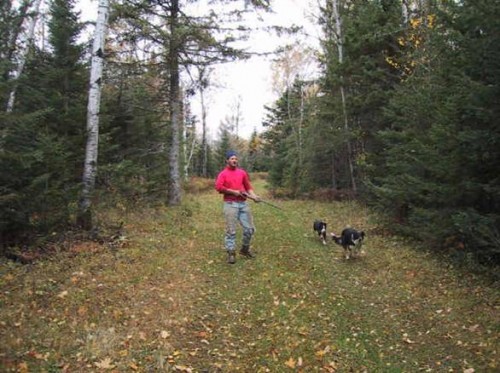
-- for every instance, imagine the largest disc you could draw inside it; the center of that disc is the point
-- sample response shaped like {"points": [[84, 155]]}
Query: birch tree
{"points": [[90, 166], [201, 82], [24, 53], [12, 22], [204, 144], [337, 20]]}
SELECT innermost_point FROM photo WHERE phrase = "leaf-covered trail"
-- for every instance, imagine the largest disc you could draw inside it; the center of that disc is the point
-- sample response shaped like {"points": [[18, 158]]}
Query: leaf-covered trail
{"points": [[168, 301]]}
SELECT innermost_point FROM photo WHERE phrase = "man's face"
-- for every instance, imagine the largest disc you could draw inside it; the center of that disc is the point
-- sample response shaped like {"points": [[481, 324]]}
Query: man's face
{"points": [[232, 161]]}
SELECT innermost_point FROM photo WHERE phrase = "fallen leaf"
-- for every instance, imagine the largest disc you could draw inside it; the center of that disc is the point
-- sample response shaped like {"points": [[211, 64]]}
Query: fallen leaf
{"points": [[291, 363], [82, 310], [133, 366], [183, 368], [22, 368], [320, 353], [105, 364], [473, 328]]}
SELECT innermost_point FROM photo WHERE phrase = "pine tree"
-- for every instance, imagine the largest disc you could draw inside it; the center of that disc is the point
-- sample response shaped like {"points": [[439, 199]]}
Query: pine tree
{"points": [[360, 41], [436, 174], [44, 139]]}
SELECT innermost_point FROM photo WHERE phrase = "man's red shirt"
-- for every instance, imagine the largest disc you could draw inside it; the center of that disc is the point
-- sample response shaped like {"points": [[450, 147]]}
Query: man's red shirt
{"points": [[236, 179]]}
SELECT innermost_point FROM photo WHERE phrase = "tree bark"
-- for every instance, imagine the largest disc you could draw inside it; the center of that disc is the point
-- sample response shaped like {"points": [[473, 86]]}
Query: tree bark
{"points": [[24, 51], [202, 72], [174, 187], [84, 218], [340, 48]]}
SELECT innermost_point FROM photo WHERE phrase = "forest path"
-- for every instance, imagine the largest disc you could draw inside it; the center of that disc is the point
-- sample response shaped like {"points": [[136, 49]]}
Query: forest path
{"points": [[168, 301]]}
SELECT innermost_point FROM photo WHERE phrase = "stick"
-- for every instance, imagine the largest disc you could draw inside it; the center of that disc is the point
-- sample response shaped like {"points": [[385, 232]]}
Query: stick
{"points": [[246, 195]]}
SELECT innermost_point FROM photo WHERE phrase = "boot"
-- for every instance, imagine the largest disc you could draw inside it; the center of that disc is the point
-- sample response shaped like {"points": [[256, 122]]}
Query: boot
{"points": [[231, 257], [245, 251]]}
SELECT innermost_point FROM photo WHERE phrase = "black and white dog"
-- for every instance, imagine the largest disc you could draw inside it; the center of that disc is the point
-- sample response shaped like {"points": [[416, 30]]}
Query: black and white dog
{"points": [[351, 240], [319, 227]]}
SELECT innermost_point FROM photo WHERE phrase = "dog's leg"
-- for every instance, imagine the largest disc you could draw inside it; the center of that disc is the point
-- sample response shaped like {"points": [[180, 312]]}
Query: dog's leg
{"points": [[347, 251], [323, 235]]}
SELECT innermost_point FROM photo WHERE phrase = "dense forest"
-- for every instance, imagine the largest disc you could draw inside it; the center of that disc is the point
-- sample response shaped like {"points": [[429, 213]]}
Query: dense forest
{"points": [[403, 115]]}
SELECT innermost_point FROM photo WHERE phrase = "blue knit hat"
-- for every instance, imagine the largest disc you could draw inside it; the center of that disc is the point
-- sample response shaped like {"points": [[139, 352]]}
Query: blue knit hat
{"points": [[230, 153]]}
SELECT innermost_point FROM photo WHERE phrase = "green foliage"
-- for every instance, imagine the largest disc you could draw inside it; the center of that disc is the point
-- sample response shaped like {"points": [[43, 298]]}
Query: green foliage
{"points": [[285, 137], [437, 174], [42, 149], [132, 133], [36, 195]]}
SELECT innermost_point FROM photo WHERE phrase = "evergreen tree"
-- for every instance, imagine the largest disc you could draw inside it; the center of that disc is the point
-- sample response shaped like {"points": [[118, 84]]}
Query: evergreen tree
{"points": [[43, 147], [436, 175], [356, 87]]}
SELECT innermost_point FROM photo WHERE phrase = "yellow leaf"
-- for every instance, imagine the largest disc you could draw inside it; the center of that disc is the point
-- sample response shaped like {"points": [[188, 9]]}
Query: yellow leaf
{"points": [[291, 363], [183, 368], [105, 364], [133, 366], [320, 353]]}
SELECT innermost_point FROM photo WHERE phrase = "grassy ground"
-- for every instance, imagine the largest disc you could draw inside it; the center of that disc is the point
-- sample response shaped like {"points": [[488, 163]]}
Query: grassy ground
{"points": [[167, 301]]}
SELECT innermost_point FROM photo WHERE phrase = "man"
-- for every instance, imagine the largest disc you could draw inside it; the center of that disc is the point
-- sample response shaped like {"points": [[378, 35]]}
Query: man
{"points": [[234, 184]]}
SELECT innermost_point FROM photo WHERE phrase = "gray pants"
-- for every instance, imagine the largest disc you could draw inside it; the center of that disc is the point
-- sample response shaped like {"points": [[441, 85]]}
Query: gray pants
{"points": [[237, 212]]}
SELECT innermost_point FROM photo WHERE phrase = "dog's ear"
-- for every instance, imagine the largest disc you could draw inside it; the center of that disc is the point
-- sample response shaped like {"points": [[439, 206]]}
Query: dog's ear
{"points": [[362, 234]]}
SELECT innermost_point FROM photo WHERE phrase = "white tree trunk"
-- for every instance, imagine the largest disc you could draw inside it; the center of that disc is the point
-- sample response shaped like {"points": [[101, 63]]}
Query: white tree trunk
{"points": [[90, 167], [204, 167], [340, 48], [188, 155], [23, 53], [405, 12], [202, 83]]}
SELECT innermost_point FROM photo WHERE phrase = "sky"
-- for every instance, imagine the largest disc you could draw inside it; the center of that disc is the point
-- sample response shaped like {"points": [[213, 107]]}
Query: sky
{"points": [[247, 83]]}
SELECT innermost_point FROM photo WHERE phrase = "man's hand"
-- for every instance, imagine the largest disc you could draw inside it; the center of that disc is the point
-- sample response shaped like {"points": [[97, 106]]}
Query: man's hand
{"points": [[251, 196], [256, 198]]}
